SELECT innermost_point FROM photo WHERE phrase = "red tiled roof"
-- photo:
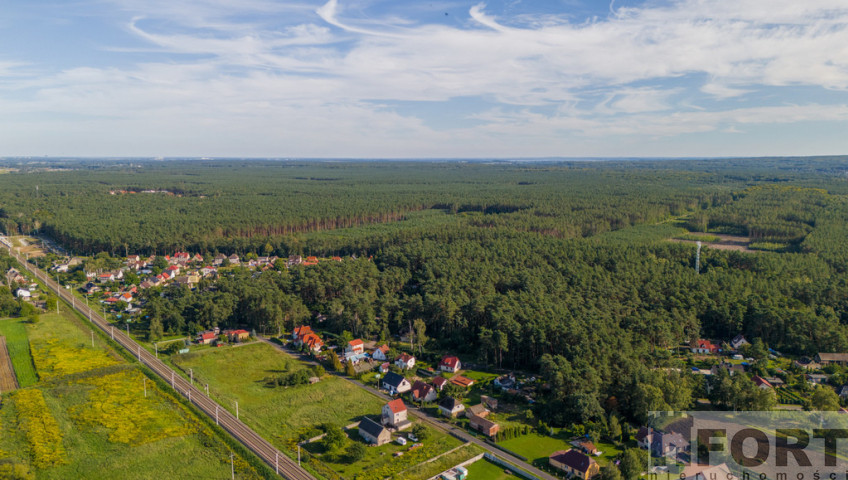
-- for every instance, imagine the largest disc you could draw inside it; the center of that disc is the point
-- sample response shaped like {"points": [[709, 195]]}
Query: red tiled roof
{"points": [[355, 343], [207, 335], [420, 389], [405, 358], [397, 406], [450, 361], [383, 348], [439, 382], [462, 381]]}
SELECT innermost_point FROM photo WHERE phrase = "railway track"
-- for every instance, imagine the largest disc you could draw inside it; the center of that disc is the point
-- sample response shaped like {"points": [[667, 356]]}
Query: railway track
{"points": [[282, 464]]}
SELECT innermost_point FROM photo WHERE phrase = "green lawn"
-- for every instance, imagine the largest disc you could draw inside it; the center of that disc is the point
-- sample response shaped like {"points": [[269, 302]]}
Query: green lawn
{"points": [[281, 414], [538, 447], [105, 424], [484, 469], [17, 343]]}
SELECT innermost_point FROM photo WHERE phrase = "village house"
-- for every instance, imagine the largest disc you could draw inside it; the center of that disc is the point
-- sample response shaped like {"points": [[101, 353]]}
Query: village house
{"points": [[13, 277], [585, 446], [205, 338], [373, 432], [23, 293], [490, 402], [843, 392], [355, 347], [106, 277], [662, 444], [705, 347], [451, 407], [450, 364], [219, 259], [395, 415], [304, 335], [384, 367], [423, 392], [832, 358], [294, 260], [483, 425], [738, 341], [478, 410], [439, 383], [816, 378], [234, 259], [237, 335], [762, 383], [405, 361], [395, 383], [381, 353], [574, 463]]}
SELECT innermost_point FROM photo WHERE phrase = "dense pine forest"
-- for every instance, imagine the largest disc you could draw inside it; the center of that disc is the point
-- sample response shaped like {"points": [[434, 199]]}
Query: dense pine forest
{"points": [[567, 269]]}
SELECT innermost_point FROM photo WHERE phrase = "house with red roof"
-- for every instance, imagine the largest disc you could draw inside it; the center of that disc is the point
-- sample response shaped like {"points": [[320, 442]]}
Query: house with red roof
{"points": [[205, 338], [439, 383], [450, 363], [237, 335], [762, 383], [405, 361], [355, 347], [423, 392], [705, 347], [395, 415]]}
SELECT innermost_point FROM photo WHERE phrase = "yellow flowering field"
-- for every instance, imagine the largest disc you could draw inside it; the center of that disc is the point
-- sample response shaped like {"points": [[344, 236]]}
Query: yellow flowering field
{"points": [[118, 403], [54, 358], [42, 431]]}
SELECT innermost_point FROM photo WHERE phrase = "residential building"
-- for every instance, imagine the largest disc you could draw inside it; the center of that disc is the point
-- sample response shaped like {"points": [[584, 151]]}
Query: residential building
{"points": [[483, 425], [423, 392], [355, 347], [395, 383], [450, 363], [373, 432], [205, 338], [381, 353], [395, 415], [405, 361], [478, 410], [738, 341], [451, 407], [832, 358], [574, 463], [705, 347], [439, 383]]}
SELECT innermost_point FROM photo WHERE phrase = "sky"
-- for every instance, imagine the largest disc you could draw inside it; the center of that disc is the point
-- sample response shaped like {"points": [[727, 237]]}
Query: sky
{"points": [[423, 79]]}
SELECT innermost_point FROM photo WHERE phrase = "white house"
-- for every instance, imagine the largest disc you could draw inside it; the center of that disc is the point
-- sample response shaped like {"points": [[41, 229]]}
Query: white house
{"points": [[405, 361], [381, 353]]}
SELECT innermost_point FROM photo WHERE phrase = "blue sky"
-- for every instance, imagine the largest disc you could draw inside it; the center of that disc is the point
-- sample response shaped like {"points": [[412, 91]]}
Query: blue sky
{"points": [[398, 79]]}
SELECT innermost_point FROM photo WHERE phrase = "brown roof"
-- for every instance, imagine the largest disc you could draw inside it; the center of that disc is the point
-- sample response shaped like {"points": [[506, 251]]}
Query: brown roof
{"points": [[573, 459], [462, 381]]}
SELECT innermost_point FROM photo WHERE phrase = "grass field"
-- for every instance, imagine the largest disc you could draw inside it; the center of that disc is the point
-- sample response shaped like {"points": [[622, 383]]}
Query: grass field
{"points": [[538, 447], [17, 343], [281, 414], [91, 419], [485, 469]]}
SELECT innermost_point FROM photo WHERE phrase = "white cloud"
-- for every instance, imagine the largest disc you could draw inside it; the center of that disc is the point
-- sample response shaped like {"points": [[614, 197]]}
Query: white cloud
{"points": [[236, 72]]}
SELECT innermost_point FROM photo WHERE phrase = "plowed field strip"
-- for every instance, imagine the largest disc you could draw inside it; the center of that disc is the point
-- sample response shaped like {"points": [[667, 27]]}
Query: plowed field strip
{"points": [[8, 381]]}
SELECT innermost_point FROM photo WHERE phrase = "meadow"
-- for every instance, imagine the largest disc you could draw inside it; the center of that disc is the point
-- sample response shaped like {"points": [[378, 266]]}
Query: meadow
{"points": [[283, 414], [89, 416]]}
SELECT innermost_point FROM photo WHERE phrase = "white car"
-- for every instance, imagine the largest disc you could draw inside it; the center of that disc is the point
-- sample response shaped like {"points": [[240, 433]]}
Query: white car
{"points": [[413, 437], [401, 441]]}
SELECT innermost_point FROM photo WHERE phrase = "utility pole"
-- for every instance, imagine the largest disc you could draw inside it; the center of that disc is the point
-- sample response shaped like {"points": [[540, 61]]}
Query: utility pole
{"points": [[277, 463], [298, 454], [232, 466], [112, 329], [138, 350], [92, 339], [191, 375], [216, 414], [156, 346], [172, 379], [144, 381], [207, 392], [236, 409]]}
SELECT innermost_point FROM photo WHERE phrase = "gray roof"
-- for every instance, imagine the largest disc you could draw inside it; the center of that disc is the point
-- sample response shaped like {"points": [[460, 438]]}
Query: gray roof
{"points": [[449, 402], [393, 379], [371, 427]]}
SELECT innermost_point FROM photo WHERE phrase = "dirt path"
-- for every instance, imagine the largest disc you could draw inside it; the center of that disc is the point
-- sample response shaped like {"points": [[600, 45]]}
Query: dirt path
{"points": [[725, 242], [8, 381]]}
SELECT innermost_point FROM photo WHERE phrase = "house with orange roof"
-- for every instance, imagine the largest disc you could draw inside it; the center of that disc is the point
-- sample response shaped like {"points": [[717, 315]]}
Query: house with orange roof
{"points": [[355, 347], [395, 415], [423, 392], [450, 363], [461, 381], [381, 353]]}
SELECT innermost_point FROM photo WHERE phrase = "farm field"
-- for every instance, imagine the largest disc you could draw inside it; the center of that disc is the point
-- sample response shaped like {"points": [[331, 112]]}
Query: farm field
{"points": [[17, 345], [8, 382], [91, 418], [282, 414]]}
